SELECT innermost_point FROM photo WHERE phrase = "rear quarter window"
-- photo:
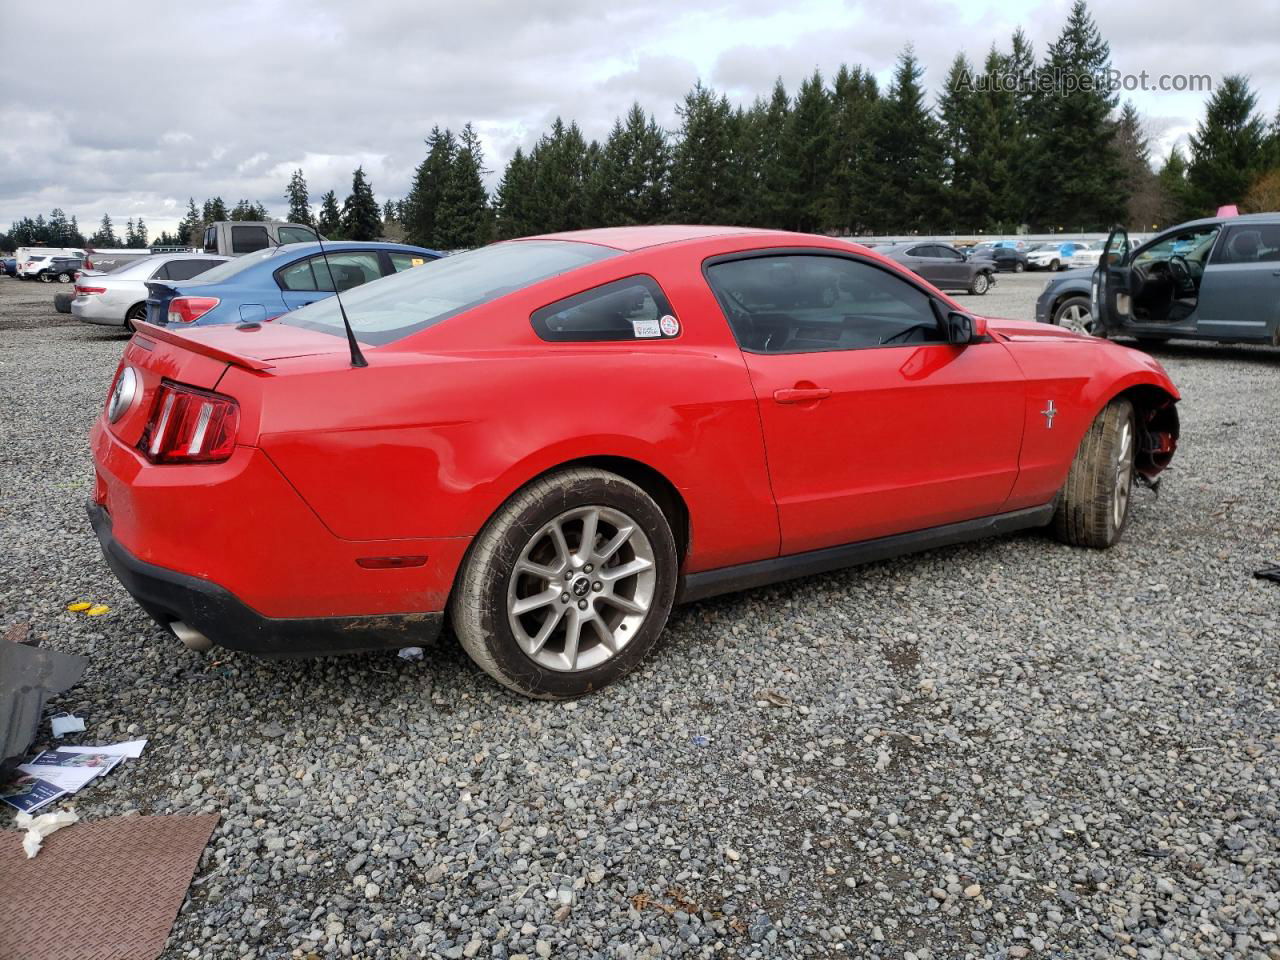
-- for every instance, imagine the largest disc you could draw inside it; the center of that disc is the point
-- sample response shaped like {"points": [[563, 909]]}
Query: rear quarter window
{"points": [[634, 308]]}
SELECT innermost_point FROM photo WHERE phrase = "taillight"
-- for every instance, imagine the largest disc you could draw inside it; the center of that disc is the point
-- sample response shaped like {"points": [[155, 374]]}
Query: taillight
{"points": [[88, 264], [190, 309], [190, 426], [86, 291]]}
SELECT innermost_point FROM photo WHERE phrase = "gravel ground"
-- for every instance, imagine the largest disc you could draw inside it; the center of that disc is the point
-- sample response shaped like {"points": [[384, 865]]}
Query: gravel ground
{"points": [[1005, 749]]}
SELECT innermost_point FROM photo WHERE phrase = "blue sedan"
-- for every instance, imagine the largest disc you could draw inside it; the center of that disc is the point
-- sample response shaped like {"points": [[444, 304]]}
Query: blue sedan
{"points": [[268, 283]]}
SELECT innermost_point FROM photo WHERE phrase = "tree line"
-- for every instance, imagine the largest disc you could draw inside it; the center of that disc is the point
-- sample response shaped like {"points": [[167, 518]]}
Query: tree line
{"points": [[1016, 140]]}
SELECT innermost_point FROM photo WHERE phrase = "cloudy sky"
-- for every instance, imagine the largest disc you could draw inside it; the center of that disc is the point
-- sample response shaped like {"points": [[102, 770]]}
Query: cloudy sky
{"points": [[129, 108]]}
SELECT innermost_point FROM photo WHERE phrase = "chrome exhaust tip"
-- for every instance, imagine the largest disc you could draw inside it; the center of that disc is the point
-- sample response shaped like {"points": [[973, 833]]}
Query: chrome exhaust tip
{"points": [[191, 638]]}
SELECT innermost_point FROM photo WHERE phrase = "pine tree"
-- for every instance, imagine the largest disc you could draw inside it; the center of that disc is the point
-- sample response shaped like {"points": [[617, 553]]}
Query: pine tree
{"points": [[130, 234], [1079, 182], [214, 211], [808, 143], [140, 236], [106, 235], [904, 173], [960, 114], [634, 171], [1146, 204], [998, 201], [248, 210], [559, 198], [190, 226], [854, 95], [1175, 193], [428, 180], [360, 216], [514, 198], [1014, 141], [59, 228], [75, 237], [462, 218], [330, 221], [299, 200], [1228, 149], [705, 177]]}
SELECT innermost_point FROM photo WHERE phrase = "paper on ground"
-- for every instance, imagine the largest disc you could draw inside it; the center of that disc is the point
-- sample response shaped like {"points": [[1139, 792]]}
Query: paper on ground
{"points": [[58, 768], [131, 749]]}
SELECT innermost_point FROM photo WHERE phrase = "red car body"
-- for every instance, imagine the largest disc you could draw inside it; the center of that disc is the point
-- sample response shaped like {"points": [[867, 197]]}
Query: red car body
{"points": [[349, 497]]}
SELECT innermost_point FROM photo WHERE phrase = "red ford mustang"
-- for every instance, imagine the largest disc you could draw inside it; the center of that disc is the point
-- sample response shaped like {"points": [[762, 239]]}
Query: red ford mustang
{"points": [[552, 440]]}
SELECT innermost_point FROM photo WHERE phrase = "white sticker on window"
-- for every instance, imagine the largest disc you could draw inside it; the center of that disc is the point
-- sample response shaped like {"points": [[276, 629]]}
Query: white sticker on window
{"points": [[646, 328], [670, 326]]}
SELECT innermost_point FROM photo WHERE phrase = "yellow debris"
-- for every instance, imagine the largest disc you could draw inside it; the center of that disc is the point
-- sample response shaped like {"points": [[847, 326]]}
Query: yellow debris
{"points": [[77, 607], [97, 610]]}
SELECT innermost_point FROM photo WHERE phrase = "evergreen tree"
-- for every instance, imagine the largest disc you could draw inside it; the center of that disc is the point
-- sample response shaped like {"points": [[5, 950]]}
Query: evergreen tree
{"points": [[428, 180], [634, 172], [705, 178], [462, 218], [214, 210], [1014, 143], [330, 221], [1228, 149], [1146, 204], [514, 199], [299, 200], [807, 153], [190, 226], [854, 95], [106, 235], [388, 212], [1079, 182], [904, 171], [130, 235], [140, 236], [1175, 193], [248, 210], [559, 198], [75, 238], [360, 216], [59, 228], [960, 113]]}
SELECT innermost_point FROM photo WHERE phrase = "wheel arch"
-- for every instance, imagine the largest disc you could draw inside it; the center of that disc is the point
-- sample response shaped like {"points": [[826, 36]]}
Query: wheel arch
{"points": [[1156, 411]]}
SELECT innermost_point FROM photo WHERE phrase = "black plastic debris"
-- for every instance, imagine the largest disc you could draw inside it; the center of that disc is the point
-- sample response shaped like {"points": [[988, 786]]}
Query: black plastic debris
{"points": [[28, 675], [1268, 573]]}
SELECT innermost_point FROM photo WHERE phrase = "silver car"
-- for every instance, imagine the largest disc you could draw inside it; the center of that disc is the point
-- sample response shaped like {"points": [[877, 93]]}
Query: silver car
{"points": [[119, 298]]}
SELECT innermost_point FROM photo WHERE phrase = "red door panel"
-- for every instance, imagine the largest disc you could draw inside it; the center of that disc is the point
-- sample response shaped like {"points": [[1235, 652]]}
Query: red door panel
{"points": [[867, 443]]}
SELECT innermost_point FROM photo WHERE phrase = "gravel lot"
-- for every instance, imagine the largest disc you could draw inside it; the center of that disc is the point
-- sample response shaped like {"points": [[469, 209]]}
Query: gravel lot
{"points": [[1004, 749]]}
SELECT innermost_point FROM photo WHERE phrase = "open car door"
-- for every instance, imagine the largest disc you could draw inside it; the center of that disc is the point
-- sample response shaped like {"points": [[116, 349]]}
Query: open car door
{"points": [[1111, 294]]}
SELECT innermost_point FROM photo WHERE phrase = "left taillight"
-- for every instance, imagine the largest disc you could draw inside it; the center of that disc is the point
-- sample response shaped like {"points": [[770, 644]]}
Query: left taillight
{"points": [[187, 425], [190, 309]]}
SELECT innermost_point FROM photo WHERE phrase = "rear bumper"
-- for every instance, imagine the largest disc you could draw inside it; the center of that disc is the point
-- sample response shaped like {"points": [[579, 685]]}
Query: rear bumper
{"points": [[90, 309], [170, 596]]}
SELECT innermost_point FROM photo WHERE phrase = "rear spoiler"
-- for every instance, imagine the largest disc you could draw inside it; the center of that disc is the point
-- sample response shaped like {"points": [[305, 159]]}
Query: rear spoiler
{"points": [[146, 330]]}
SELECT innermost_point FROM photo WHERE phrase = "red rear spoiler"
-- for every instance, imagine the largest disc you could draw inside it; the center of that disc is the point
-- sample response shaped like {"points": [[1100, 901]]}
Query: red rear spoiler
{"points": [[195, 345]]}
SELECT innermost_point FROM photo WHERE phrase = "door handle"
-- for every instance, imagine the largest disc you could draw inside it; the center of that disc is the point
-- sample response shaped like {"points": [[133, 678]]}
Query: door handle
{"points": [[801, 394]]}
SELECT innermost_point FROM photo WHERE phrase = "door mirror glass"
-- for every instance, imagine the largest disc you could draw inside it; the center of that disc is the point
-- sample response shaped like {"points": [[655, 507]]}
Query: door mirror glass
{"points": [[963, 329]]}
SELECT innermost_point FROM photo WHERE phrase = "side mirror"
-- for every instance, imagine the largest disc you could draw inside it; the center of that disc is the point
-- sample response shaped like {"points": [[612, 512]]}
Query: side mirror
{"points": [[963, 329]]}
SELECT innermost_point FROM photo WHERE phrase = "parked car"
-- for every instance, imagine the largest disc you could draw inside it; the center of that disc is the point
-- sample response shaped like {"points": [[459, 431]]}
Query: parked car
{"points": [[119, 298], [105, 261], [1051, 255], [9, 266], [1066, 301], [263, 285], [235, 238], [1004, 258], [557, 438], [1210, 279], [1085, 254], [42, 255], [59, 269], [32, 265], [944, 266]]}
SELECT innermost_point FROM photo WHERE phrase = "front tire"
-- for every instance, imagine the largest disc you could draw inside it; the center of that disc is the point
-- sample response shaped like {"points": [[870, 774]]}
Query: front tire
{"points": [[1075, 313], [568, 586], [1054, 266], [45, 278], [64, 278], [1094, 507]]}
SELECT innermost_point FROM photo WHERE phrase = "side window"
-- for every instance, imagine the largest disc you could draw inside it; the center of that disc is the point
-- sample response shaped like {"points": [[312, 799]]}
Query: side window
{"points": [[186, 269], [350, 268], [1189, 244], [920, 252], [406, 261], [947, 253], [631, 309], [807, 302], [162, 273], [1249, 243], [295, 235], [249, 239]]}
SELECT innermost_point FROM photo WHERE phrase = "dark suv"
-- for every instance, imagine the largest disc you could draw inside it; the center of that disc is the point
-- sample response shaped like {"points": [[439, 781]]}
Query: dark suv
{"points": [[62, 269]]}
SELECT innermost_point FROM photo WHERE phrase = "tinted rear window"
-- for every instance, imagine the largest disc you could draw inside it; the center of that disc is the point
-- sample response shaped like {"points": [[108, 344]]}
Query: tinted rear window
{"points": [[397, 306]]}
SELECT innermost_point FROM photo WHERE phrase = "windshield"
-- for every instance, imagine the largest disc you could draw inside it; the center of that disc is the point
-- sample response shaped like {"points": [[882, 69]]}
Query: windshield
{"points": [[394, 307]]}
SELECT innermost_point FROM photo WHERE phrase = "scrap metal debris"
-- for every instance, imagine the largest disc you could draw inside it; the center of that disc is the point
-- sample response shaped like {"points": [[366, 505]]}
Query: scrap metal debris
{"points": [[28, 675], [1268, 573]]}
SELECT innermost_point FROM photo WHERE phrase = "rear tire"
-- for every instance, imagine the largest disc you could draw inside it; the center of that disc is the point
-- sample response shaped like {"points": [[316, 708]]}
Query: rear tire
{"points": [[1093, 509], [551, 616], [980, 284], [45, 278], [137, 313], [1018, 266]]}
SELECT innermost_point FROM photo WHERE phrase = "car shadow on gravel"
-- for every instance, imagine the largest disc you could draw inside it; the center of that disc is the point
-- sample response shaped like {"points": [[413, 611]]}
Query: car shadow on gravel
{"points": [[1188, 349]]}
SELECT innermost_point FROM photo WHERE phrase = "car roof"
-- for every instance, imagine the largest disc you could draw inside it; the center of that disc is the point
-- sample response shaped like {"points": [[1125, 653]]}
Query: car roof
{"points": [[1270, 217], [630, 239], [335, 245]]}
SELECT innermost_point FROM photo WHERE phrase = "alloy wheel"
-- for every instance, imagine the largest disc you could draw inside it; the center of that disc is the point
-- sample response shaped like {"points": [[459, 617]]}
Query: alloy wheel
{"points": [[980, 283], [1124, 474], [581, 589], [1076, 318]]}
